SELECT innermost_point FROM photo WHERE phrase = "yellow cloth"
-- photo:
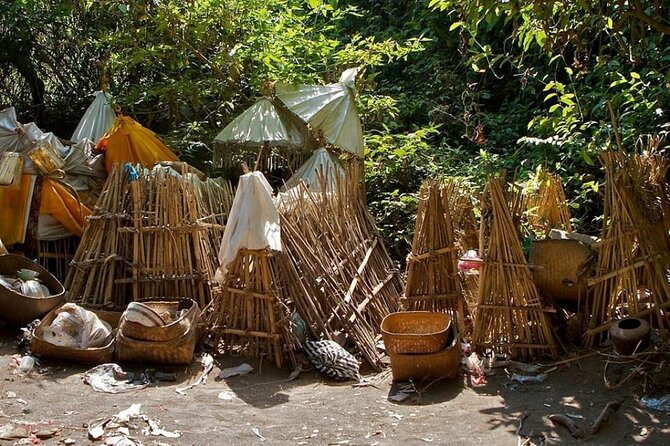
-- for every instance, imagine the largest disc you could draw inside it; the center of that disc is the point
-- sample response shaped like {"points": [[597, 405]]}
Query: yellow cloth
{"points": [[63, 206], [128, 142], [15, 209]]}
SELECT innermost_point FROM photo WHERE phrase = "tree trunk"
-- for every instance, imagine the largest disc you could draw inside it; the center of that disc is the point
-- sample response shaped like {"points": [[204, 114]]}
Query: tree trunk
{"points": [[26, 68]]}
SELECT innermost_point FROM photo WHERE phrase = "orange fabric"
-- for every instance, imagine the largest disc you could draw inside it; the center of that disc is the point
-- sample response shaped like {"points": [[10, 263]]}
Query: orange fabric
{"points": [[128, 142], [59, 202], [14, 209]]}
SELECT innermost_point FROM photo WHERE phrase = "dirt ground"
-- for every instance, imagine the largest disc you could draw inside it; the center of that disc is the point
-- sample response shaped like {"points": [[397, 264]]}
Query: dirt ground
{"points": [[268, 409]]}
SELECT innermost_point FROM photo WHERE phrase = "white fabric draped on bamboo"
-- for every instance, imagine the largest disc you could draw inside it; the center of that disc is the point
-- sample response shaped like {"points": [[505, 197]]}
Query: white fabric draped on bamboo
{"points": [[253, 222]]}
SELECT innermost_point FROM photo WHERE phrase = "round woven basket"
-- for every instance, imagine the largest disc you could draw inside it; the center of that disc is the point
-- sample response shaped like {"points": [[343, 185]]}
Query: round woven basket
{"points": [[415, 332], [176, 351], [18, 309], [562, 271], [445, 363], [167, 332], [93, 355]]}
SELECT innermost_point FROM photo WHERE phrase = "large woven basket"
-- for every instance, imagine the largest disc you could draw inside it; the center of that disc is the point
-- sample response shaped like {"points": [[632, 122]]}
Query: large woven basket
{"points": [[443, 364], [18, 309], [173, 352], [415, 332], [563, 269], [168, 332], [94, 355]]}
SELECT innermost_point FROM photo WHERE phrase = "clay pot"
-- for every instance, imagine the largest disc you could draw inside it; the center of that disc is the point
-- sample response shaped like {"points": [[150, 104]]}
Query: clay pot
{"points": [[630, 335]]}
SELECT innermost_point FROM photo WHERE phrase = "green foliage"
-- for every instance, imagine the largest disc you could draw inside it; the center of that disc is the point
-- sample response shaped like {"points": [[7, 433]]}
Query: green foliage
{"points": [[395, 165], [460, 88]]}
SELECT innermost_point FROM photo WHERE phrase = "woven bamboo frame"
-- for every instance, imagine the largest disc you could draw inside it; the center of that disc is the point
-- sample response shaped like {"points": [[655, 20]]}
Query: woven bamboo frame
{"points": [[510, 317], [547, 207], [433, 282], [146, 238], [250, 312], [349, 278], [634, 251]]}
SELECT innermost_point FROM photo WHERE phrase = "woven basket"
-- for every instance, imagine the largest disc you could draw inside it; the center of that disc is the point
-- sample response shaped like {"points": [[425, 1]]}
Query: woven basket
{"points": [[564, 267], [174, 352], [168, 332], [415, 332], [443, 364], [18, 309], [94, 355]]}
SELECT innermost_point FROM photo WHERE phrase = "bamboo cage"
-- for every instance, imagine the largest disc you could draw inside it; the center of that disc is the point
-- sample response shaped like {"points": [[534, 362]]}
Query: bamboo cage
{"points": [[103, 255], [433, 282], [510, 316], [215, 196], [56, 255], [146, 238], [250, 311], [349, 278], [466, 230], [547, 207], [634, 251]]}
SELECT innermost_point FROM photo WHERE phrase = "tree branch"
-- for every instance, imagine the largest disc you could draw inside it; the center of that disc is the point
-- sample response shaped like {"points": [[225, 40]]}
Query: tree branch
{"points": [[644, 18], [195, 52]]}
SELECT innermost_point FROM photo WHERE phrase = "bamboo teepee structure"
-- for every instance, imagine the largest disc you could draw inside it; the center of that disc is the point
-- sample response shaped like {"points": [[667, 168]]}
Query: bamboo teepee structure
{"points": [[433, 282], [250, 311], [104, 254], [350, 280], [511, 317], [146, 238], [547, 207], [634, 251]]}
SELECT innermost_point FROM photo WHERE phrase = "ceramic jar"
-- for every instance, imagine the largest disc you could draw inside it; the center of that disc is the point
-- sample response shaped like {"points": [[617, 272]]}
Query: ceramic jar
{"points": [[630, 335]]}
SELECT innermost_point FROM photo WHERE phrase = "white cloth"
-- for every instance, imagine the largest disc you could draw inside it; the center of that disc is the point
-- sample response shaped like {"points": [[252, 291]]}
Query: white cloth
{"points": [[48, 228], [253, 222], [260, 123], [8, 130], [98, 118], [320, 170], [329, 108]]}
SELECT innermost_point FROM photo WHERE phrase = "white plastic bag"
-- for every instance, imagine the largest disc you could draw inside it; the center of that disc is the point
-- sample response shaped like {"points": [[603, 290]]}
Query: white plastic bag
{"points": [[4, 281], [82, 326], [33, 288]]}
